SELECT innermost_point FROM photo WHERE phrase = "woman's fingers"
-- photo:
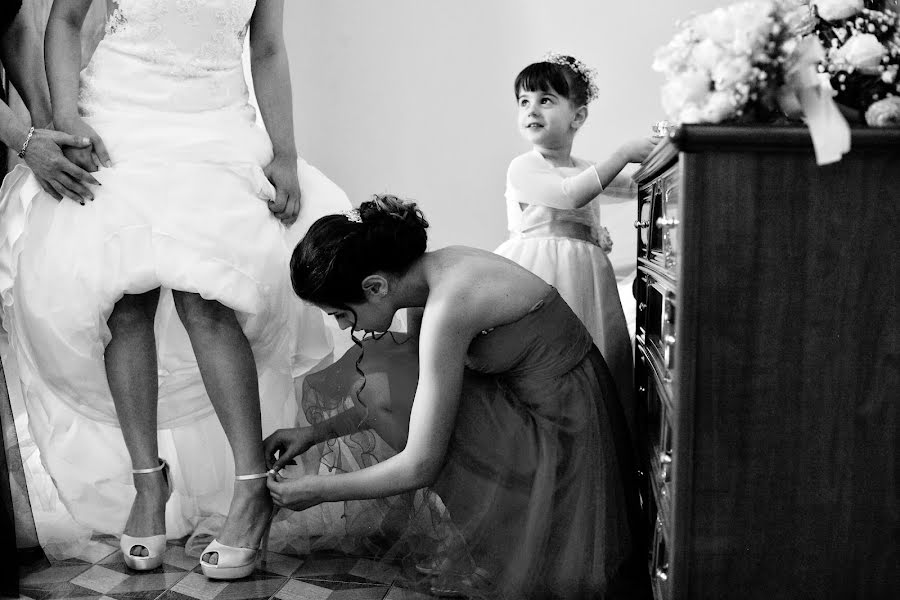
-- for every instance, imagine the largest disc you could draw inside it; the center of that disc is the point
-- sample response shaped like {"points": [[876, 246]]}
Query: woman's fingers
{"points": [[65, 139], [63, 192], [74, 188], [100, 151], [78, 173], [48, 187], [280, 203], [292, 210]]}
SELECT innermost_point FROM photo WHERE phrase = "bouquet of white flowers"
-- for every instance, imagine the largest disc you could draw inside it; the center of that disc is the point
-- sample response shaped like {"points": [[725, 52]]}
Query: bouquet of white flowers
{"points": [[726, 63], [753, 61]]}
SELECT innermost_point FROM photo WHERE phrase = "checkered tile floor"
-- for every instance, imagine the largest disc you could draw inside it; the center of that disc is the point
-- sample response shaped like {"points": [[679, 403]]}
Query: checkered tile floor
{"points": [[101, 574]]}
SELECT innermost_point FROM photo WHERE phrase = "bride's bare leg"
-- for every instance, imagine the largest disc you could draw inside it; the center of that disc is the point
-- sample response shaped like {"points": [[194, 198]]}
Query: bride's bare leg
{"points": [[229, 375], [131, 372]]}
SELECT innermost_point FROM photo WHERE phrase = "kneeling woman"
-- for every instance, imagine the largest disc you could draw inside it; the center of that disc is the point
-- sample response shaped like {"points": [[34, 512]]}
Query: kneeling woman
{"points": [[514, 421]]}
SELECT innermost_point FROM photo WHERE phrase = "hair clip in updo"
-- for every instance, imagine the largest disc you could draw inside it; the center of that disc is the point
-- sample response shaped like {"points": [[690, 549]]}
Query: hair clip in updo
{"points": [[353, 215], [585, 72]]}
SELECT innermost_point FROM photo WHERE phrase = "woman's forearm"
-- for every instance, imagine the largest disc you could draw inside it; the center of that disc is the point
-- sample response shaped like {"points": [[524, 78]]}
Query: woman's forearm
{"points": [[395, 475], [62, 51], [271, 79], [23, 59], [12, 131], [344, 423]]}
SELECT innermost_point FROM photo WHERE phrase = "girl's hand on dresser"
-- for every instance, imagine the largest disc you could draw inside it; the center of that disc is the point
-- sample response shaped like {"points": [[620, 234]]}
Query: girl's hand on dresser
{"points": [[638, 150]]}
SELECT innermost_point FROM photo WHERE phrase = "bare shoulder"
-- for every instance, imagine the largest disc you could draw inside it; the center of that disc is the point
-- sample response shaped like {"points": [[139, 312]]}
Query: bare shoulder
{"points": [[478, 289]]}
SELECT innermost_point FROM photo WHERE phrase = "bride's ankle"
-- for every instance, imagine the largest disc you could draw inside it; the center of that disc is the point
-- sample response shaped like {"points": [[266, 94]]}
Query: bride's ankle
{"points": [[151, 486], [254, 489]]}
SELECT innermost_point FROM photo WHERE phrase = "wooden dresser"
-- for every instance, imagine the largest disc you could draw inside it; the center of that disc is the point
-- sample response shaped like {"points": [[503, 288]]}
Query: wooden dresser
{"points": [[767, 364]]}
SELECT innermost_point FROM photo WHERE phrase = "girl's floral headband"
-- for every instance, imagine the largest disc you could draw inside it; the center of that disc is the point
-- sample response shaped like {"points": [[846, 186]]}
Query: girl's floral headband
{"points": [[582, 70]]}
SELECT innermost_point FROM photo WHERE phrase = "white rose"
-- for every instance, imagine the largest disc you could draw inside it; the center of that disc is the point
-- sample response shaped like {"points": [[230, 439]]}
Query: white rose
{"points": [[706, 55], [884, 113], [672, 57], [690, 114], [719, 106], [690, 87], [861, 50], [728, 73], [835, 10]]}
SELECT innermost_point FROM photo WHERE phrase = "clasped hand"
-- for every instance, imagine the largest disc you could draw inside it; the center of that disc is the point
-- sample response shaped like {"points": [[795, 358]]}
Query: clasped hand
{"points": [[48, 158], [282, 173]]}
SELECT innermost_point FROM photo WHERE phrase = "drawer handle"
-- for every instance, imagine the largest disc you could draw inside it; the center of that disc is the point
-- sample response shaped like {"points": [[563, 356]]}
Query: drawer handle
{"points": [[641, 224], [666, 222], [665, 467]]}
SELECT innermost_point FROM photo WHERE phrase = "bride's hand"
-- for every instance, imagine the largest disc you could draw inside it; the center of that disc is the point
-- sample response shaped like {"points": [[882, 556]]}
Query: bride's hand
{"points": [[282, 172], [91, 158], [288, 443], [295, 494]]}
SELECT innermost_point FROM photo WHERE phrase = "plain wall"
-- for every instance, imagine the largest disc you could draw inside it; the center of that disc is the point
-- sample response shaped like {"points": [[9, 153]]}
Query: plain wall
{"points": [[414, 97]]}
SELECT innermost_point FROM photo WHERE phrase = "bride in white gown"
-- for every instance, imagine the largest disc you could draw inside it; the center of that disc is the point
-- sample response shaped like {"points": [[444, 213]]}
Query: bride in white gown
{"points": [[195, 197]]}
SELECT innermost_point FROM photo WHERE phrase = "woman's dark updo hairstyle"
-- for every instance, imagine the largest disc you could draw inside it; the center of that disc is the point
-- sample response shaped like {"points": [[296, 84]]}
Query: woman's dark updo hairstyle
{"points": [[552, 77], [339, 251]]}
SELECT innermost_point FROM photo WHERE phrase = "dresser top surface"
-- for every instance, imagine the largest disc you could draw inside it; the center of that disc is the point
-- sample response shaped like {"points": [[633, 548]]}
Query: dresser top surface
{"points": [[772, 138]]}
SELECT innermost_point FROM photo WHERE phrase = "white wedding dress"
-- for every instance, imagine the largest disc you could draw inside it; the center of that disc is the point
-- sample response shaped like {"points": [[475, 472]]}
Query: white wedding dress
{"points": [[183, 206]]}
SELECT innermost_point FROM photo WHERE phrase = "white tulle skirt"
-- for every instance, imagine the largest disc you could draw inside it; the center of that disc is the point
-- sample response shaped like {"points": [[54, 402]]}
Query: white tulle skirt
{"points": [[197, 223]]}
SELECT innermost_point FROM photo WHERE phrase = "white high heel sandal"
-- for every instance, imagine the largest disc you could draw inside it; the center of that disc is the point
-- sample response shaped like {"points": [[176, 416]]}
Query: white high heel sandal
{"points": [[155, 544], [233, 562]]}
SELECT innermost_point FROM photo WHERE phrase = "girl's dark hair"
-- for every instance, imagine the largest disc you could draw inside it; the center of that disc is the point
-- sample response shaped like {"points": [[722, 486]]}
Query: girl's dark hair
{"points": [[339, 251], [552, 77]]}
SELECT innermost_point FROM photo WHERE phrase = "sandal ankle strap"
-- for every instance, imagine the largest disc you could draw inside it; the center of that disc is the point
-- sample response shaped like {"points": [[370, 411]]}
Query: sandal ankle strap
{"points": [[162, 465], [252, 476]]}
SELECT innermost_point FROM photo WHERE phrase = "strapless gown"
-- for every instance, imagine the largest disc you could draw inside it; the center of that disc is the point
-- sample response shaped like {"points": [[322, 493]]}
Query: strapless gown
{"points": [[538, 488]]}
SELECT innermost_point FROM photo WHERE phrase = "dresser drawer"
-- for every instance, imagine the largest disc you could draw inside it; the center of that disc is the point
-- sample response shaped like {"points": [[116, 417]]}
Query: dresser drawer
{"points": [[666, 222], [658, 433], [659, 561], [658, 221], [657, 320]]}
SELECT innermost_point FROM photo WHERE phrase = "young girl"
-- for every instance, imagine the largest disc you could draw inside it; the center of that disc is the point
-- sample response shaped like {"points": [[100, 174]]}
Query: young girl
{"points": [[548, 197]]}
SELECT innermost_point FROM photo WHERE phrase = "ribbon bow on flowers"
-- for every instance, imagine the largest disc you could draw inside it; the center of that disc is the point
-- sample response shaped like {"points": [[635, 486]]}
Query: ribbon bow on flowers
{"points": [[806, 91]]}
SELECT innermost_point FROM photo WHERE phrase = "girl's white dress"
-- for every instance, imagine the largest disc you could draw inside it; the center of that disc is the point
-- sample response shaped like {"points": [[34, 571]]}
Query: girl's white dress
{"points": [[182, 207], [568, 249]]}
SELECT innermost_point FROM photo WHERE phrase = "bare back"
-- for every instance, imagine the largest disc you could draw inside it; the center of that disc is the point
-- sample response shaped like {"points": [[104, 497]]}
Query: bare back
{"points": [[489, 289]]}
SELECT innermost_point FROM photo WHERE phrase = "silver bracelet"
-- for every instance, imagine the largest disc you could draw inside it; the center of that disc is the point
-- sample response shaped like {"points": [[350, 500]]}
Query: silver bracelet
{"points": [[25, 145]]}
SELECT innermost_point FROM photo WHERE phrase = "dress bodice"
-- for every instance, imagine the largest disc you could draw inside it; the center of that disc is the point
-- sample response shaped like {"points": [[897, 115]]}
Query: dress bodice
{"points": [[174, 55], [531, 351], [191, 38]]}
